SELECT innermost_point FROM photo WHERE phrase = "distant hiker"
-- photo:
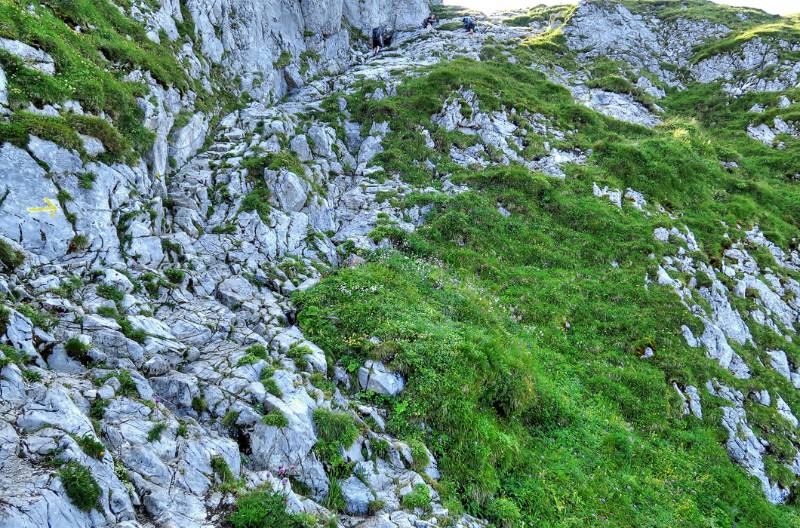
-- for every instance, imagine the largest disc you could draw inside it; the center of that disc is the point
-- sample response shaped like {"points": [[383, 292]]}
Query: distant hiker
{"points": [[381, 37], [469, 24], [431, 21]]}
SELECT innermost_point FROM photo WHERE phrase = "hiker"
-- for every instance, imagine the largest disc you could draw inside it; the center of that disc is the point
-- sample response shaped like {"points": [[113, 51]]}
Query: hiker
{"points": [[431, 21], [381, 37], [469, 24]]}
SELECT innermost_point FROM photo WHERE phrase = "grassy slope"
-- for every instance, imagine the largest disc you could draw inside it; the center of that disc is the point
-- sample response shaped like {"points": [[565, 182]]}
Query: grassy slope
{"points": [[520, 341], [90, 65]]}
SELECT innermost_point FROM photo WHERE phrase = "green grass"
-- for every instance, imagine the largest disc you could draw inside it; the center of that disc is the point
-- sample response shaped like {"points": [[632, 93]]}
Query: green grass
{"points": [[174, 275], [77, 350], [540, 13], [222, 470], [275, 419], [90, 67], [698, 10], [520, 342], [335, 431], [10, 258], [264, 509], [787, 29], [154, 434], [81, 487], [418, 498], [91, 447]]}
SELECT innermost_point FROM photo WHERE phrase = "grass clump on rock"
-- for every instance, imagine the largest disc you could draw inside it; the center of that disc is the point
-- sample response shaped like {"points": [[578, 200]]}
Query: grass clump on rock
{"points": [[264, 509], [80, 485]]}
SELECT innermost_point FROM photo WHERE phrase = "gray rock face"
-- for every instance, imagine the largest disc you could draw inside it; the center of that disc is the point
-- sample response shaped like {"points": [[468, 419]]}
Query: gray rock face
{"points": [[376, 377], [32, 57], [397, 14], [288, 189], [646, 43], [3, 91], [619, 106], [184, 143], [357, 495], [46, 233]]}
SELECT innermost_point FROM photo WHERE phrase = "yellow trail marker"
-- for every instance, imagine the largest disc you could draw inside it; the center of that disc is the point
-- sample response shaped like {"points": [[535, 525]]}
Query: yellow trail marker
{"points": [[51, 208]]}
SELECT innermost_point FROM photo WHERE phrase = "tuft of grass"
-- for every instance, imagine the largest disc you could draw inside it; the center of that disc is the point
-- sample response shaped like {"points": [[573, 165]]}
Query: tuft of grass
{"points": [[335, 500], [229, 420], [78, 350], [335, 431], [91, 446], [31, 376], [199, 404], [110, 292], [154, 434], [81, 487], [260, 508], [257, 200], [283, 61], [275, 419], [419, 497], [221, 469], [174, 275], [10, 258]]}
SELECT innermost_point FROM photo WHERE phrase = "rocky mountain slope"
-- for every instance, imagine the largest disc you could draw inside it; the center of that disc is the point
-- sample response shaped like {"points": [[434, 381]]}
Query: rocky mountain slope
{"points": [[252, 275]]}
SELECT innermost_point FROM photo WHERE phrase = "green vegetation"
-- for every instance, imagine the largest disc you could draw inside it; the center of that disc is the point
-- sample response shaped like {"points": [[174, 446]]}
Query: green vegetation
{"points": [[275, 419], [540, 14], [110, 292], [90, 66], [91, 446], [262, 508], [10, 258], [222, 470], [252, 355], [520, 341], [174, 275], [78, 350], [229, 419], [79, 243], [80, 485], [270, 385], [31, 376], [698, 10], [97, 408], [335, 500], [335, 430], [257, 200], [419, 497], [199, 404], [154, 434], [283, 61], [125, 324], [285, 159]]}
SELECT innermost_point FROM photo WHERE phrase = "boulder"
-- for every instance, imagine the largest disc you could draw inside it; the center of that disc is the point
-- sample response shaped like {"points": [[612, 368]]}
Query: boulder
{"points": [[357, 496], [32, 57], [376, 377]]}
